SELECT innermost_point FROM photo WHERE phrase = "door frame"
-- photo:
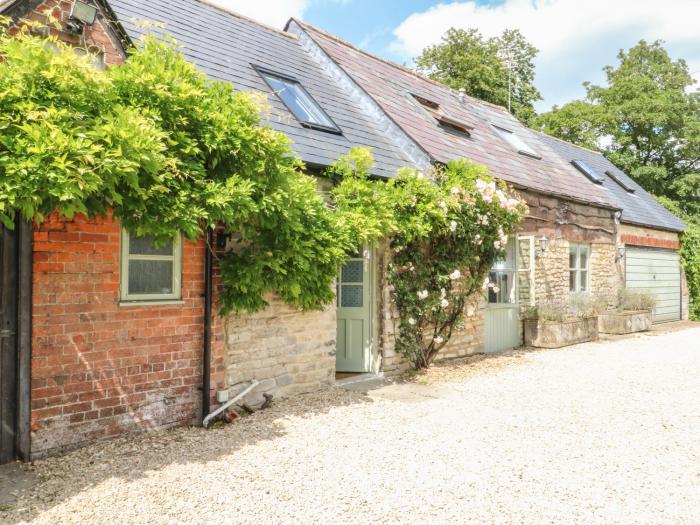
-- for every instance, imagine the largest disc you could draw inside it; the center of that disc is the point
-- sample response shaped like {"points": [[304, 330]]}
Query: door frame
{"points": [[24, 340], [22, 262]]}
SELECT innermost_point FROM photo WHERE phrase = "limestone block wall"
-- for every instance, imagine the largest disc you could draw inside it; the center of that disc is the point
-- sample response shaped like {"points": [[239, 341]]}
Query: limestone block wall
{"points": [[286, 350]]}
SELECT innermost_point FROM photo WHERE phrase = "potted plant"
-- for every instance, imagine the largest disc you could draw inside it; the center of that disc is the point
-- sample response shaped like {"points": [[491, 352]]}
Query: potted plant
{"points": [[631, 313], [554, 325]]}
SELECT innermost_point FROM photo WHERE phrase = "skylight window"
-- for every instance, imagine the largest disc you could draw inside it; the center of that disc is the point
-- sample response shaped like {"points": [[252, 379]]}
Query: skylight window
{"points": [[299, 101], [588, 171], [516, 143], [622, 183], [445, 121]]}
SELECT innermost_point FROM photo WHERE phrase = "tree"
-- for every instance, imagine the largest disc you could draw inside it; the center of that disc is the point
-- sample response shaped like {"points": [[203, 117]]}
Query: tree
{"points": [[487, 69], [647, 116]]}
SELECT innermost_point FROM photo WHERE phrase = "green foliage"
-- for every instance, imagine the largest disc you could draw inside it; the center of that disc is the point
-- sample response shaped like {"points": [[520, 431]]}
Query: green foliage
{"points": [[649, 117], [170, 152], [445, 232], [690, 254], [577, 306], [465, 59], [634, 300]]}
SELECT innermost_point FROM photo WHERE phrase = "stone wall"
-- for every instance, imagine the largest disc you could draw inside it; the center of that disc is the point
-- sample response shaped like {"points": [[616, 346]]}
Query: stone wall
{"points": [[286, 350], [468, 341]]}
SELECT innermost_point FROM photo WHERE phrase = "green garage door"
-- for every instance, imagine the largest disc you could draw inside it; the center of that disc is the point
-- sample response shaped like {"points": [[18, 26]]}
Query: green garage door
{"points": [[658, 272]]}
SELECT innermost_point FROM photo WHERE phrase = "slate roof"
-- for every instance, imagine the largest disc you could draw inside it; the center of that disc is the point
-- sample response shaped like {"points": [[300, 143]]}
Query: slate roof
{"points": [[224, 45], [638, 208], [391, 86]]}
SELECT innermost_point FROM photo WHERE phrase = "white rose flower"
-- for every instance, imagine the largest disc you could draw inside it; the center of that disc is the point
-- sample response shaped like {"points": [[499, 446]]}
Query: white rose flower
{"points": [[454, 191], [443, 205], [453, 225], [438, 340], [442, 293], [470, 311], [496, 289], [455, 275], [411, 321], [422, 294], [444, 303]]}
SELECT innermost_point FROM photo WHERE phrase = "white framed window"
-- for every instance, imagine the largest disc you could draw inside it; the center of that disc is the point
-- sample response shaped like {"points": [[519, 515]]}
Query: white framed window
{"points": [[579, 267], [502, 278], [150, 272]]}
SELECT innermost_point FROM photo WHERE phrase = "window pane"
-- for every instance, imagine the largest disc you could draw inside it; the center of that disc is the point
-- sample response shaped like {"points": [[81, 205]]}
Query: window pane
{"points": [[351, 296], [572, 281], [352, 272], [150, 277], [516, 142], [584, 282], [572, 258], [144, 246], [298, 101], [584, 259]]}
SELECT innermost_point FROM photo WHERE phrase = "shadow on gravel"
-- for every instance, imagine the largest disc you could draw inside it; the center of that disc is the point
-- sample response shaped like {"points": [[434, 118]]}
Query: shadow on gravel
{"points": [[56, 479]]}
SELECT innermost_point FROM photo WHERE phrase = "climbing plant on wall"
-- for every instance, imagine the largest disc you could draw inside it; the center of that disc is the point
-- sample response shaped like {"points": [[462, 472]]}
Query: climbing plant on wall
{"points": [[445, 231], [167, 151]]}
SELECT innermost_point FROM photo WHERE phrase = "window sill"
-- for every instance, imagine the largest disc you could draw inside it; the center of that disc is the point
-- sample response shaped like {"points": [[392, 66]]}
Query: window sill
{"points": [[152, 303]]}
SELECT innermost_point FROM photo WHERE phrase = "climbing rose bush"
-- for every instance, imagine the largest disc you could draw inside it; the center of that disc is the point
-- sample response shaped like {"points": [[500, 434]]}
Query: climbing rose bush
{"points": [[445, 232]]}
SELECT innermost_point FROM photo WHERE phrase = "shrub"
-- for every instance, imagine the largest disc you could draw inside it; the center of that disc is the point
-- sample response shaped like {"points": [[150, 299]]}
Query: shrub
{"points": [[632, 300]]}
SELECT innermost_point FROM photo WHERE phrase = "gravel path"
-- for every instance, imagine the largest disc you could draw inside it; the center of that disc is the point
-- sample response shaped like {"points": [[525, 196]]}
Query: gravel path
{"points": [[598, 433]]}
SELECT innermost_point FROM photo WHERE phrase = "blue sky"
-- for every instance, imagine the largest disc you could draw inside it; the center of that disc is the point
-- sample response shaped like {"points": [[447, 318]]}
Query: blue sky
{"points": [[576, 38]]}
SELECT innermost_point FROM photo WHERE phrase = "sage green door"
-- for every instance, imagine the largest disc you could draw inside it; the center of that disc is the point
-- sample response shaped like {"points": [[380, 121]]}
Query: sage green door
{"points": [[354, 314], [501, 315]]}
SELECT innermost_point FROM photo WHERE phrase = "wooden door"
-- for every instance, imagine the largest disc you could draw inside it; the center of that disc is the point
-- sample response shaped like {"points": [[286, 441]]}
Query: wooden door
{"points": [[8, 343], [354, 315]]}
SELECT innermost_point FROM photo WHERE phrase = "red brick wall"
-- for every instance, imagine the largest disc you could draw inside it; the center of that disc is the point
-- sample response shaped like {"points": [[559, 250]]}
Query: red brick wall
{"points": [[97, 38], [651, 242], [101, 369]]}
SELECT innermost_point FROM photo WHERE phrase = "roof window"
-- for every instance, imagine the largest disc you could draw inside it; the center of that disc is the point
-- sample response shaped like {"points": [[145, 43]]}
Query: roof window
{"points": [[622, 183], [516, 142], [589, 172], [445, 121], [298, 101]]}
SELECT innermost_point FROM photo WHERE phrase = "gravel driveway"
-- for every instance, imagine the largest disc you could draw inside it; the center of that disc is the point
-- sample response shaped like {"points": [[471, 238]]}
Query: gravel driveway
{"points": [[597, 433]]}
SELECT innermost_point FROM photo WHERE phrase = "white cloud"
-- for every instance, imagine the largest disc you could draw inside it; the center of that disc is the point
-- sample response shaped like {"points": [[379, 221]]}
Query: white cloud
{"points": [[574, 37], [272, 12]]}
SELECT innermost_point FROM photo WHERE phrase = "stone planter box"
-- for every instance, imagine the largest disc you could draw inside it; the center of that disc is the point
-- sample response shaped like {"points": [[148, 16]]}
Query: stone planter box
{"points": [[624, 322], [555, 334]]}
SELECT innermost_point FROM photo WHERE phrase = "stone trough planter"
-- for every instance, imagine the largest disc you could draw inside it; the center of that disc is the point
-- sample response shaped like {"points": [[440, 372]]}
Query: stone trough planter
{"points": [[556, 334], [624, 322]]}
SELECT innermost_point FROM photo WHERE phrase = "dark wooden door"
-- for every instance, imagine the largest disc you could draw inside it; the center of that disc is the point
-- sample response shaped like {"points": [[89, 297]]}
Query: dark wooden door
{"points": [[8, 343]]}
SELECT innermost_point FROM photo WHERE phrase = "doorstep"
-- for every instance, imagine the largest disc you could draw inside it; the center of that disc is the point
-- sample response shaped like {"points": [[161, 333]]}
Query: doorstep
{"points": [[362, 382]]}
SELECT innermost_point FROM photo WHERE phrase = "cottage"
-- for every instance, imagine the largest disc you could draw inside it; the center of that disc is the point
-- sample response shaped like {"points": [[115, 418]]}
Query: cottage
{"points": [[101, 354]]}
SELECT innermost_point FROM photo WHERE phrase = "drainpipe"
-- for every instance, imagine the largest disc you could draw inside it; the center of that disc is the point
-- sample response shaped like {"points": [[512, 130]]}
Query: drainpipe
{"points": [[206, 358]]}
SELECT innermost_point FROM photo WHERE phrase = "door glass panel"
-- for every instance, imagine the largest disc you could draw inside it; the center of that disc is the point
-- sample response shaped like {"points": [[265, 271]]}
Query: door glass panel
{"points": [[351, 296], [352, 272]]}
